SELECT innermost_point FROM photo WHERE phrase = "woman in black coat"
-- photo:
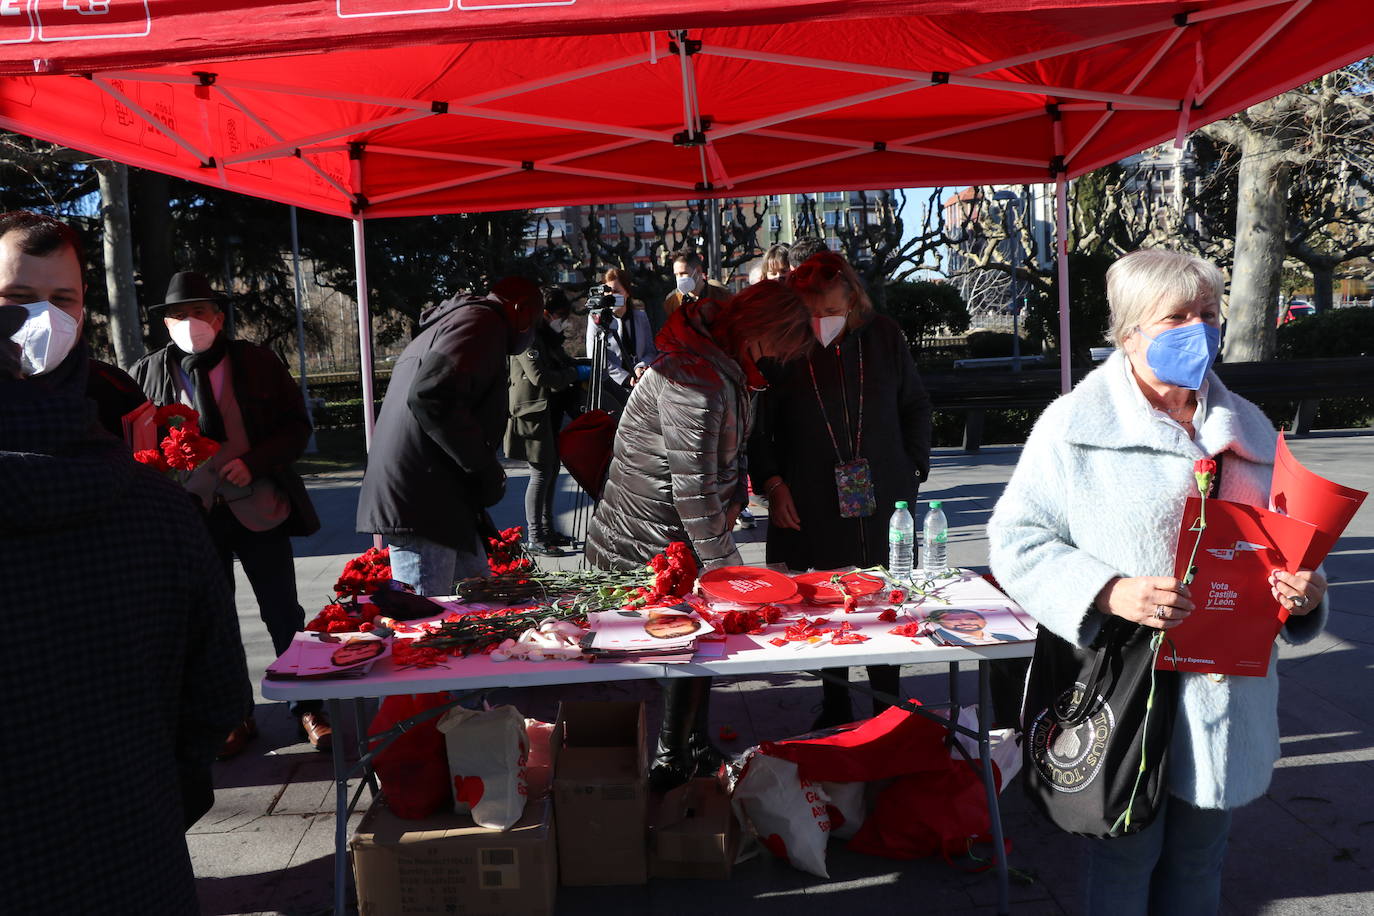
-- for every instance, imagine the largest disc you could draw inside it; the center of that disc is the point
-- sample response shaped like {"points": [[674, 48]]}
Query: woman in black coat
{"points": [[856, 398]]}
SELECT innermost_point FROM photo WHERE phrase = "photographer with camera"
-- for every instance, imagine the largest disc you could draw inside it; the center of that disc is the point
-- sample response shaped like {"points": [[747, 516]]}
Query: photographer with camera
{"points": [[619, 328]]}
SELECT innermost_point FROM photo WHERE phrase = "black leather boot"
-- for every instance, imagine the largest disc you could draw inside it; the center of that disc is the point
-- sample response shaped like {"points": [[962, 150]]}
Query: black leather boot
{"points": [[705, 757], [672, 765], [835, 706]]}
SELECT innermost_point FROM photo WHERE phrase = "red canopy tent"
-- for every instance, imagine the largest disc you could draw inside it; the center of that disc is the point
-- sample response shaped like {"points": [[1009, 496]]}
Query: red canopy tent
{"points": [[372, 108]]}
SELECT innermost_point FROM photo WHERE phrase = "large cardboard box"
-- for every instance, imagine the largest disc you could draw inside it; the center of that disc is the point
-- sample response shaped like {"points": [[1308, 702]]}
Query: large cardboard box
{"points": [[601, 792], [448, 866], [694, 834]]}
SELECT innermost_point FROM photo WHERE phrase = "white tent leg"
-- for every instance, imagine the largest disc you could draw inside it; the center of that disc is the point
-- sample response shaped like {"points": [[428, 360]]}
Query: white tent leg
{"points": [[1061, 219], [364, 327], [364, 338]]}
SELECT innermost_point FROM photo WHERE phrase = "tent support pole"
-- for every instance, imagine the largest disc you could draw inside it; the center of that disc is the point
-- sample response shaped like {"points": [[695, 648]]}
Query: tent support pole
{"points": [[364, 340], [311, 447], [1061, 220]]}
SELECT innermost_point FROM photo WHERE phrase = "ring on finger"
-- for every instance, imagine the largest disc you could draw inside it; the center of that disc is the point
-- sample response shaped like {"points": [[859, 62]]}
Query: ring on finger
{"points": [[1298, 600], [1161, 612]]}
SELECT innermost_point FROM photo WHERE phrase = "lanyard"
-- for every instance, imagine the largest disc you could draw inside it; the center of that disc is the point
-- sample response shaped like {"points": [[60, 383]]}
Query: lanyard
{"points": [[859, 431]]}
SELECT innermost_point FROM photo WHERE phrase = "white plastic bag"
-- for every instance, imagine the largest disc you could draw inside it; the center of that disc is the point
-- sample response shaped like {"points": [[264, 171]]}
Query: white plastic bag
{"points": [[789, 815], [1004, 746], [847, 807], [488, 751]]}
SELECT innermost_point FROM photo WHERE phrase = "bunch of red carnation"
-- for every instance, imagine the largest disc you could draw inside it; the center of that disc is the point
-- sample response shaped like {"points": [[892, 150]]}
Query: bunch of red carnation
{"points": [[336, 619], [506, 553], [675, 571], [748, 621], [364, 573], [183, 448]]}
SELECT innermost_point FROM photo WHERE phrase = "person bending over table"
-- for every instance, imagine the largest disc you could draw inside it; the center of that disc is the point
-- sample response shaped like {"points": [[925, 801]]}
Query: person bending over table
{"points": [[676, 470], [855, 403], [1086, 529]]}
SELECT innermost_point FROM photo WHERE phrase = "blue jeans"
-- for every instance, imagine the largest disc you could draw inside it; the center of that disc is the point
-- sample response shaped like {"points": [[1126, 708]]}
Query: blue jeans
{"points": [[430, 567], [1171, 868]]}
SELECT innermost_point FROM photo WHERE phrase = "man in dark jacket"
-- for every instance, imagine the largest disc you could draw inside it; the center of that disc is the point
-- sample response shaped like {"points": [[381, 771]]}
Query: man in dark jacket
{"points": [[115, 712], [40, 269], [254, 501], [433, 467]]}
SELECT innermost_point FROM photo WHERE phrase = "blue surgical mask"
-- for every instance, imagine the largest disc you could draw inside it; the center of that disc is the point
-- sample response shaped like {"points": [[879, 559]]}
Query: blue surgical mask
{"points": [[1182, 356]]}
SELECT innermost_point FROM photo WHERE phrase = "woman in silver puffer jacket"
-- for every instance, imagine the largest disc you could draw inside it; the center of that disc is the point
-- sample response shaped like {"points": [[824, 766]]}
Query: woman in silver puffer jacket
{"points": [[677, 467]]}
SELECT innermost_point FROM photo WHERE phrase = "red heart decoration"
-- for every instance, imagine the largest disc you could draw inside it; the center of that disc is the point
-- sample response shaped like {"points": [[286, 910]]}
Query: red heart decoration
{"points": [[776, 846], [468, 790]]}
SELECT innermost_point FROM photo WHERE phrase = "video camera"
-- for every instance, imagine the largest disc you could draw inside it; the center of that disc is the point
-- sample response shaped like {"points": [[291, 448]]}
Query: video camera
{"points": [[601, 305]]}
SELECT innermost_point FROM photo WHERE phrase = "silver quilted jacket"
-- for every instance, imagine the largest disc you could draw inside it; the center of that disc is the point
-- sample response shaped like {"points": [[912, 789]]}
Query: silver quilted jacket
{"points": [[679, 451]]}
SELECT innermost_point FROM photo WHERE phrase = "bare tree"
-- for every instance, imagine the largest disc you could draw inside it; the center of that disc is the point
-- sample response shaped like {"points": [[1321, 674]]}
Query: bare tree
{"points": [[1285, 145]]}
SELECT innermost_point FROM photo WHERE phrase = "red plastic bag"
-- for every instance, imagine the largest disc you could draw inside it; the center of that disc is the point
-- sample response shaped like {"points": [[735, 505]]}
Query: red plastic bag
{"points": [[927, 814], [895, 743], [413, 769]]}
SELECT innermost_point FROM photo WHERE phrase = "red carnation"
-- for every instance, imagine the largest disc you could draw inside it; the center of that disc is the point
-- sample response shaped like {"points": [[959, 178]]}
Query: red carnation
{"points": [[186, 449], [154, 459], [177, 416]]}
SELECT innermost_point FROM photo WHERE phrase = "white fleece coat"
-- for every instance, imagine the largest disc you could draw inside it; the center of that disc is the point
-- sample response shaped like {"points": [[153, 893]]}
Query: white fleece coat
{"points": [[1098, 493]]}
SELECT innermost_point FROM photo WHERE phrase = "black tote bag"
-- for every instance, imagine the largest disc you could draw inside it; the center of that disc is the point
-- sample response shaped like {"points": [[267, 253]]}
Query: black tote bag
{"points": [[1087, 718]]}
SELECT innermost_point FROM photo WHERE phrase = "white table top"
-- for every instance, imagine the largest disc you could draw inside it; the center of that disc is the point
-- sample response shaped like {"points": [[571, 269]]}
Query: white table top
{"points": [[741, 655]]}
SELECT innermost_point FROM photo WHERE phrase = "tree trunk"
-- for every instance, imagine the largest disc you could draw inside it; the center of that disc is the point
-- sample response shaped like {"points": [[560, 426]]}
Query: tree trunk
{"points": [[1261, 219], [153, 224], [126, 330], [1322, 283]]}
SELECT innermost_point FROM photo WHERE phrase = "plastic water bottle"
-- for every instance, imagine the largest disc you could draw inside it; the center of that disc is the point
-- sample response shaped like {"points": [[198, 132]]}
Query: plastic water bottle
{"points": [[935, 540], [901, 542]]}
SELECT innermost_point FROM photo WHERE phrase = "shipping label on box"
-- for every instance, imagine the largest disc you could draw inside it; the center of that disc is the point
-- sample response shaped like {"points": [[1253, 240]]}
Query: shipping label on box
{"points": [[447, 866]]}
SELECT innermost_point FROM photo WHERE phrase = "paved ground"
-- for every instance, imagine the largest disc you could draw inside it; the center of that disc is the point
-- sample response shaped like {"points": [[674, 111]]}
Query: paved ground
{"points": [[1306, 847]]}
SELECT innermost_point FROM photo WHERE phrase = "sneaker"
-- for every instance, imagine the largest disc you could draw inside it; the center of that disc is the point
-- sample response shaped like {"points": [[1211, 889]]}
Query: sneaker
{"points": [[746, 520]]}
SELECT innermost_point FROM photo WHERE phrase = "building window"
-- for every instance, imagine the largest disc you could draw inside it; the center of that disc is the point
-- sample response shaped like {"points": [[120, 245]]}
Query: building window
{"points": [[834, 218], [775, 222], [833, 195]]}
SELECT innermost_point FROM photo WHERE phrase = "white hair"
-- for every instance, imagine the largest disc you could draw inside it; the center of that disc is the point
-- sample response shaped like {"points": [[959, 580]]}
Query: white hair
{"points": [[1142, 281]]}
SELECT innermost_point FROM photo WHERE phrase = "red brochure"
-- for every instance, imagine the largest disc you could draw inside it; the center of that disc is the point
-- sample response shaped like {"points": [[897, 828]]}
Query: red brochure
{"points": [[1299, 493], [1236, 619]]}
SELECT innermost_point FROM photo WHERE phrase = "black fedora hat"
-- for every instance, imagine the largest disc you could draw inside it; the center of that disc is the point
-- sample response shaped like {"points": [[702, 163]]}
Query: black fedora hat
{"points": [[188, 286]]}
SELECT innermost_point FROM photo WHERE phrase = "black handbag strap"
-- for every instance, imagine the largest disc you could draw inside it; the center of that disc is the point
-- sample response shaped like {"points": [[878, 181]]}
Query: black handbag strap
{"points": [[1078, 711]]}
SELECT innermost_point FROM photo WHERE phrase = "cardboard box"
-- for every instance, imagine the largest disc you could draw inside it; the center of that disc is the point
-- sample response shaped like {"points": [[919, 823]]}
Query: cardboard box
{"points": [[447, 865], [601, 792], [695, 834]]}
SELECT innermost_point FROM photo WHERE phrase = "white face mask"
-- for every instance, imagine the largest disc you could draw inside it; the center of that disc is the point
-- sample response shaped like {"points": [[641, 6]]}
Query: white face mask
{"points": [[686, 284], [45, 338], [827, 328], [192, 335]]}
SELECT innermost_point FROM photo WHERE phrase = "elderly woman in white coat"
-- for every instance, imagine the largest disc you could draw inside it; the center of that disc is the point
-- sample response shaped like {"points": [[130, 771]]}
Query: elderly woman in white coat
{"points": [[1086, 530]]}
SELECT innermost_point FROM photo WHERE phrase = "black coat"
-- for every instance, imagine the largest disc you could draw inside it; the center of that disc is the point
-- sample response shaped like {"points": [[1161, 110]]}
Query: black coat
{"points": [[433, 464], [136, 678], [274, 417], [790, 440]]}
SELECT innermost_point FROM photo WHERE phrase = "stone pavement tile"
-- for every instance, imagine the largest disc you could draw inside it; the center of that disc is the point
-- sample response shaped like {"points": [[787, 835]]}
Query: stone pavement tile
{"points": [[306, 885], [1275, 864], [235, 807], [237, 871]]}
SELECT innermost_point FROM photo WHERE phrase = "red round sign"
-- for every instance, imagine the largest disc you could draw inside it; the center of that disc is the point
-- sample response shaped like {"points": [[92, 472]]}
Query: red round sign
{"points": [[747, 585], [817, 587]]}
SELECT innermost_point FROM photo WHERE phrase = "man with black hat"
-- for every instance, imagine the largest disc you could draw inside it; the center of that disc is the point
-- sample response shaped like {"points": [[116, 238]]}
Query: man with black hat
{"points": [[433, 467], [255, 502]]}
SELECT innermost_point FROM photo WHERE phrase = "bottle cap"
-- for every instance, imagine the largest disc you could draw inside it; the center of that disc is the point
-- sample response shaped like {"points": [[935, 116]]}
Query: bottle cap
{"points": [[901, 504], [936, 503]]}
